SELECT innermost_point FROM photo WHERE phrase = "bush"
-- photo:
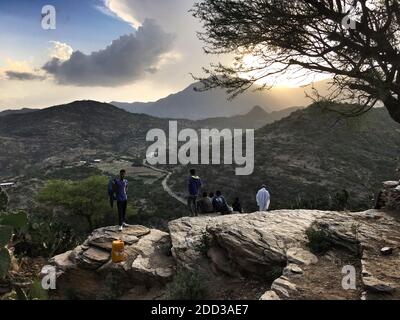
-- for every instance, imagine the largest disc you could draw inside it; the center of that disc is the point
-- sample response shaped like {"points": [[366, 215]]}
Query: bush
{"points": [[86, 200], [46, 236], [187, 285], [8, 223], [318, 241]]}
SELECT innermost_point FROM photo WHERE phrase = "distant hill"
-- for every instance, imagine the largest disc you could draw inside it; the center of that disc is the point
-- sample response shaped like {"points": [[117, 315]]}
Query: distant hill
{"points": [[18, 111], [87, 129], [71, 132], [308, 157], [190, 104], [254, 119]]}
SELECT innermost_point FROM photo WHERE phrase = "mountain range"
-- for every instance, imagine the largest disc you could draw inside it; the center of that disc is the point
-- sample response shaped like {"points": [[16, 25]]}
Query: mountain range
{"points": [[306, 156], [192, 104], [83, 129]]}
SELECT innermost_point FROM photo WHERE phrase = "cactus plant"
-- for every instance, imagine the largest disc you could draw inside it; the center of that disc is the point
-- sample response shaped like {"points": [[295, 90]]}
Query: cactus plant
{"points": [[8, 222]]}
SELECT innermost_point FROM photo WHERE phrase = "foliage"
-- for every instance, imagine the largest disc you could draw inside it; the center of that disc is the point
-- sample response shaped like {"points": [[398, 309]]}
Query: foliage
{"points": [[281, 37], [318, 241], [46, 235], [342, 199], [85, 199], [34, 292], [8, 223], [187, 285]]}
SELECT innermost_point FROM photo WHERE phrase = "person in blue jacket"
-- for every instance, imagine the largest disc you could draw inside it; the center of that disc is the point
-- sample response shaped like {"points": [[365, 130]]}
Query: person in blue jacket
{"points": [[120, 188], [194, 186]]}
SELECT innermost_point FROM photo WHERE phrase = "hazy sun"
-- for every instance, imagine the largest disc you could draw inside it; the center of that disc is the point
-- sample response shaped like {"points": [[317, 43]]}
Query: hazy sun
{"points": [[291, 78]]}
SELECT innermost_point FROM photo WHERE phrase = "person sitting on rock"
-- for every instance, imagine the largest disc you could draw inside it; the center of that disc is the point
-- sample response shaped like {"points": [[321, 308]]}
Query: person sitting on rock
{"points": [[237, 206], [204, 205], [220, 204]]}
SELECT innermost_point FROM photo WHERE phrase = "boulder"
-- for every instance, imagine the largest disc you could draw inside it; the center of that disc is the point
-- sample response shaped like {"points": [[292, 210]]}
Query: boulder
{"points": [[270, 295], [377, 286], [264, 247], [89, 272], [284, 288], [386, 251], [292, 270], [301, 256], [250, 244]]}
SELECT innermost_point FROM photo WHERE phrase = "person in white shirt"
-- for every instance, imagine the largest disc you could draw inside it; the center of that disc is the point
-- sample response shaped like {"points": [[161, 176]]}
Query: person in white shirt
{"points": [[263, 198]]}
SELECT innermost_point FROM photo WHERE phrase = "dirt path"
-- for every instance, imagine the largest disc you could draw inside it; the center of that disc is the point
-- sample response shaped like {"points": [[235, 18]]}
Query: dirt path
{"points": [[164, 183]]}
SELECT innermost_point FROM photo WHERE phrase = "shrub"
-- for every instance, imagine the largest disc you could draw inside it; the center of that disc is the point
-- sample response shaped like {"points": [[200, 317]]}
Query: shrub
{"points": [[8, 223], [187, 285], [318, 240]]}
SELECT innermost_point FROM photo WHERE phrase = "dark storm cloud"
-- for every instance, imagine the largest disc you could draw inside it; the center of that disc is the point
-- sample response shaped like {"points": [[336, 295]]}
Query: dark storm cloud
{"points": [[127, 59], [22, 76]]}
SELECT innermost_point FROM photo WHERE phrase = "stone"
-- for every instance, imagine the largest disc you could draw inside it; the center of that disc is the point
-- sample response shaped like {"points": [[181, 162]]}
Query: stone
{"points": [[374, 285], [364, 296], [89, 271], [63, 261], [104, 237], [241, 246], [253, 243], [292, 270], [96, 255], [390, 184], [386, 251], [283, 287], [301, 256], [270, 295]]}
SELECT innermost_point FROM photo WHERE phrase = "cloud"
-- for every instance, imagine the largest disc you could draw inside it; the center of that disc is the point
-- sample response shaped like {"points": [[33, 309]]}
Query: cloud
{"points": [[60, 50], [126, 60], [23, 76]]}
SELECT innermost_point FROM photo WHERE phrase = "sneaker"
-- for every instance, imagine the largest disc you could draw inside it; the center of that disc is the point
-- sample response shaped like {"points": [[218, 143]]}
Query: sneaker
{"points": [[125, 225], [120, 228]]}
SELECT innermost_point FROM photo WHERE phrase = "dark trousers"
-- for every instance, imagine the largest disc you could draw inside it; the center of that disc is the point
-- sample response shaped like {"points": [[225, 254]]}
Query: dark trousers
{"points": [[192, 204], [121, 211]]}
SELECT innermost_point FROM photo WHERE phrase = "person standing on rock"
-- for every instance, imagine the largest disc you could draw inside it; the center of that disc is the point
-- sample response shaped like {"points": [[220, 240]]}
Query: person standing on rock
{"points": [[194, 186], [120, 188], [263, 198]]}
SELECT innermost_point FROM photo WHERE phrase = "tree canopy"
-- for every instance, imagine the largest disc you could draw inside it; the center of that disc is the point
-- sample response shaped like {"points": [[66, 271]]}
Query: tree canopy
{"points": [[355, 41], [86, 198]]}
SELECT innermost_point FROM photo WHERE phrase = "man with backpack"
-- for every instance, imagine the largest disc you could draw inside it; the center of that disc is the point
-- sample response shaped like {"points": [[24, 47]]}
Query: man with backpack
{"points": [[119, 193], [220, 204], [194, 186]]}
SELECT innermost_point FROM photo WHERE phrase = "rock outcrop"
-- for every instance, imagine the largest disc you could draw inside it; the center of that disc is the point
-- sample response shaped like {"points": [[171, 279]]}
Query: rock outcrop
{"points": [[268, 247], [274, 244], [248, 244], [87, 272], [389, 198]]}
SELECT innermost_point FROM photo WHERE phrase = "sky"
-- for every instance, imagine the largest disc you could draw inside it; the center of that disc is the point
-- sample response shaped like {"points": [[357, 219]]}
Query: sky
{"points": [[105, 50]]}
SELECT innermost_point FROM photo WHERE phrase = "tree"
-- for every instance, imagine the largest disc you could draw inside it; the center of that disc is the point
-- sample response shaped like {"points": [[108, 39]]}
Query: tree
{"points": [[86, 198], [355, 41]]}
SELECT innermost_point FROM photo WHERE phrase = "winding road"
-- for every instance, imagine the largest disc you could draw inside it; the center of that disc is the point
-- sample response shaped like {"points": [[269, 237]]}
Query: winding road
{"points": [[164, 183]]}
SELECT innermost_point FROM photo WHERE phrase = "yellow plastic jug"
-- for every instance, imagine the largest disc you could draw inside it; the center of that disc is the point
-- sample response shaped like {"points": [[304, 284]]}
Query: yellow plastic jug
{"points": [[117, 253]]}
